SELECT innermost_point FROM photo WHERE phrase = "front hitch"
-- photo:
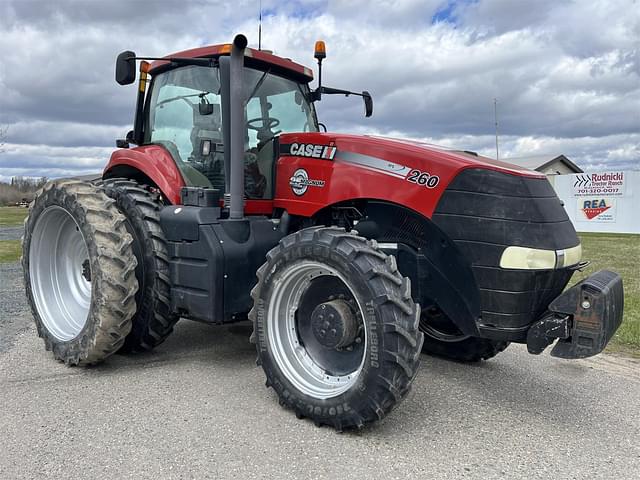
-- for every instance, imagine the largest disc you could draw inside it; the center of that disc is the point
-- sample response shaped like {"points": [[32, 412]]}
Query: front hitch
{"points": [[583, 318]]}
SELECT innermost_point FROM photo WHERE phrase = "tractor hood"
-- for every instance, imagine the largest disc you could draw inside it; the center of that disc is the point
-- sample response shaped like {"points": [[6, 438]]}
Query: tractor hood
{"points": [[335, 167], [478, 208], [393, 155]]}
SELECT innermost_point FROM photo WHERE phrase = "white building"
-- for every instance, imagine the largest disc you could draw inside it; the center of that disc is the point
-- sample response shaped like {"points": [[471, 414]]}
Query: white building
{"points": [[547, 164]]}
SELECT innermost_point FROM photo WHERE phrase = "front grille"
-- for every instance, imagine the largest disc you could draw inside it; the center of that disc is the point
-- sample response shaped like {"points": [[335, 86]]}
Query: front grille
{"points": [[483, 212]]}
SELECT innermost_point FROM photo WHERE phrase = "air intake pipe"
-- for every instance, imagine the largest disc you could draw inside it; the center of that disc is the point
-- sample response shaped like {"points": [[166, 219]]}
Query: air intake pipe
{"points": [[237, 127]]}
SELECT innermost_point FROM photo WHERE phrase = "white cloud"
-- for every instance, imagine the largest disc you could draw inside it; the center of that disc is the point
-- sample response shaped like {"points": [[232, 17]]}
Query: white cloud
{"points": [[566, 73]]}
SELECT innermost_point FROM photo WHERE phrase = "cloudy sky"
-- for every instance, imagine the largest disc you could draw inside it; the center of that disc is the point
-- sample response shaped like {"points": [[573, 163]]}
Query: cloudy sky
{"points": [[566, 73]]}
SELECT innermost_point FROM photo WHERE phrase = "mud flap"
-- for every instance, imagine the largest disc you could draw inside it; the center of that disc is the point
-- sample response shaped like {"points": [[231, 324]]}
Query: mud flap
{"points": [[584, 318]]}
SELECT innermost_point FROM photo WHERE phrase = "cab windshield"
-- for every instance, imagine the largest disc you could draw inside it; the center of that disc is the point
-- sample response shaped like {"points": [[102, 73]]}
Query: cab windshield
{"points": [[185, 116]]}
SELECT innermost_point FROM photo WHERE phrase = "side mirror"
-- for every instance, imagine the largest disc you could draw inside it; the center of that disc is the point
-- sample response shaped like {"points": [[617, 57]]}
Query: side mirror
{"points": [[126, 68], [368, 104], [125, 142]]}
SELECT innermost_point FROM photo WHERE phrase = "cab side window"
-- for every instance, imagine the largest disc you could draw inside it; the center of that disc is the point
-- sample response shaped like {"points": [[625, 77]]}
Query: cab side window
{"points": [[185, 117]]}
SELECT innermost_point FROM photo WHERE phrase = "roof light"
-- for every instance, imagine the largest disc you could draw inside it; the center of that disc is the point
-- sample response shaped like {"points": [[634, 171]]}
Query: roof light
{"points": [[320, 50]]}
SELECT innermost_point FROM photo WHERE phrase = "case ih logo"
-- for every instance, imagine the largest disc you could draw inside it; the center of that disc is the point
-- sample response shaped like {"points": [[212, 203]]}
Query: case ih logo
{"points": [[593, 208], [313, 151]]}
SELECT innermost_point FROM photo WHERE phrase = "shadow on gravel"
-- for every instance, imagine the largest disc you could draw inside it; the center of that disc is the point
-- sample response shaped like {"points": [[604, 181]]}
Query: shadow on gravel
{"points": [[216, 346], [570, 397]]}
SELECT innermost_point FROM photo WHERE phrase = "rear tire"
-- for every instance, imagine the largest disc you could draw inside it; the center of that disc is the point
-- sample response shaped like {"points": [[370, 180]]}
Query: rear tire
{"points": [[367, 377], [153, 321], [79, 272], [443, 339]]}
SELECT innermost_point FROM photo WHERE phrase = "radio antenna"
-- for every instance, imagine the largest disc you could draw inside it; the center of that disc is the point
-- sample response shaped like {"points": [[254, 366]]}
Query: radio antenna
{"points": [[260, 28], [495, 117]]}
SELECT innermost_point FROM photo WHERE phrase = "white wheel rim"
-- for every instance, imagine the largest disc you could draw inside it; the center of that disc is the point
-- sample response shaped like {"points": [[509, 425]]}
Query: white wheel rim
{"points": [[60, 273], [282, 333]]}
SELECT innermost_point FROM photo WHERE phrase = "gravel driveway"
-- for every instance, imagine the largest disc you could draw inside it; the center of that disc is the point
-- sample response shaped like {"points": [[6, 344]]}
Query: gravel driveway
{"points": [[11, 233], [197, 408]]}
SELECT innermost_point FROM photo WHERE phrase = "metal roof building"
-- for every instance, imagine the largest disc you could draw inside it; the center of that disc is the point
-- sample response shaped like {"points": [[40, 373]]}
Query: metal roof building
{"points": [[547, 164]]}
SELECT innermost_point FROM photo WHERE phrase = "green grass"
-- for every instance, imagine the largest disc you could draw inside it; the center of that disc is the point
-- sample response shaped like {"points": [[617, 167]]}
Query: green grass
{"points": [[620, 253], [10, 251], [12, 216]]}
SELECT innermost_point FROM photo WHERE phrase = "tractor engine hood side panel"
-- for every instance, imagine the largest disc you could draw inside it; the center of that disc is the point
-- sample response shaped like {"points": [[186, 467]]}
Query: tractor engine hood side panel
{"points": [[340, 167]]}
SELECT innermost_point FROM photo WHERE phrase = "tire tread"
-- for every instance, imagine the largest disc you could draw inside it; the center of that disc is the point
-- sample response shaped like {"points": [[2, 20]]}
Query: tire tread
{"points": [[402, 339], [154, 320], [114, 285]]}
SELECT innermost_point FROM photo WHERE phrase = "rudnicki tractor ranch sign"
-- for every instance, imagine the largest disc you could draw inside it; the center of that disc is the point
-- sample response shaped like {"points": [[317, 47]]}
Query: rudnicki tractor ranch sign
{"points": [[606, 202], [593, 192], [594, 184]]}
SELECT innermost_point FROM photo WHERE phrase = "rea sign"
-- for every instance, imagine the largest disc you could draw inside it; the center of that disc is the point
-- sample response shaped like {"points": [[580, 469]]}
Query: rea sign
{"points": [[592, 184], [597, 210]]}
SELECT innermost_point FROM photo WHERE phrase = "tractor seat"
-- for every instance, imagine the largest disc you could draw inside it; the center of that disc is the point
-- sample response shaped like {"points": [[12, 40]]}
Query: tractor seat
{"points": [[209, 166]]}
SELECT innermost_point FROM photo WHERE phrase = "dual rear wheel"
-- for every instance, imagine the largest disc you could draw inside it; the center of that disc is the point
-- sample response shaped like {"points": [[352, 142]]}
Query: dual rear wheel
{"points": [[79, 271], [96, 269]]}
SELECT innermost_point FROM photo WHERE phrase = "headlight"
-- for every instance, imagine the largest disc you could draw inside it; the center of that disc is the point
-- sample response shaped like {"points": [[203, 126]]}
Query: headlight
{"points": [[524, 258]]}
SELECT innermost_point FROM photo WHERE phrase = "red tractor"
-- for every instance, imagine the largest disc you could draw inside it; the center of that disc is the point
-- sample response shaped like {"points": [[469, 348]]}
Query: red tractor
{"points": [[350, 254]]}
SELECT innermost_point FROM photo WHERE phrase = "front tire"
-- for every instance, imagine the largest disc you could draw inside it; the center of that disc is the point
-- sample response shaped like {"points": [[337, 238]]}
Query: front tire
{"points": [[79, 272], [350, 369]]}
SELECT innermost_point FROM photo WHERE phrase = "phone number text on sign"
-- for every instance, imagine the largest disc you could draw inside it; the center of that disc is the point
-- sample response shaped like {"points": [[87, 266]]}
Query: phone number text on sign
{"points": [[608, 183]]}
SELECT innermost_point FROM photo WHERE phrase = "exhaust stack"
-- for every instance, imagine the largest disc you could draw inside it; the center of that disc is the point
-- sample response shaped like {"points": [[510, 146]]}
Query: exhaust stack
{"points": [[236, 101]]}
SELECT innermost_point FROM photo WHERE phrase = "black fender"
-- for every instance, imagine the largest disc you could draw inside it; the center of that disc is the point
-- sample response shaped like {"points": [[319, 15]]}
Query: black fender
{"points": [[440, 274], [132, 173]]}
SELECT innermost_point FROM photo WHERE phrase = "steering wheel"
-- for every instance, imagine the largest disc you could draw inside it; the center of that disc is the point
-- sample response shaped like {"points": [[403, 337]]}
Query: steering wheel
{"points": [[265, 123]]}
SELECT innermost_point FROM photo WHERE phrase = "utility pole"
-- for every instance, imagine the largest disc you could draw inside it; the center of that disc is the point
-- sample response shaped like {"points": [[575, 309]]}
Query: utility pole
{"points": [[495, 116]]}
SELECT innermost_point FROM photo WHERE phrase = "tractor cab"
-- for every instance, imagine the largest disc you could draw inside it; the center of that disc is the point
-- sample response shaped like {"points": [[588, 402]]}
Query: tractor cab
{"points": [[185, 113], [184, 106]]}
